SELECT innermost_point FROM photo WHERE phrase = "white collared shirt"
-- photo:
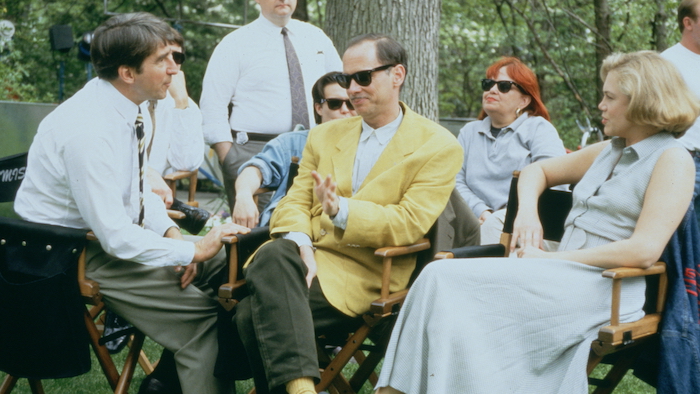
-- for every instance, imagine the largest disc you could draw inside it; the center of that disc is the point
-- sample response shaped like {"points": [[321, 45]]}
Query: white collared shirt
{"points": [[249, 69], [178, 144], [82, 172], [687, 62]]}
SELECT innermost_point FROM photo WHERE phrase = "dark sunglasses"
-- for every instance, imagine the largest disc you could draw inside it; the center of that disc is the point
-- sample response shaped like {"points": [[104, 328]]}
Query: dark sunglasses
{"points": [[335, 104], [179, 57], [363, 78], [503, 86]]}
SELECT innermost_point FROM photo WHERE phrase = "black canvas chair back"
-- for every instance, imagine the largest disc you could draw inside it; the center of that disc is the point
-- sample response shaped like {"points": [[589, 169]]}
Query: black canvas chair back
{"points": [[42, 328], [12, 169], [553, 207]]}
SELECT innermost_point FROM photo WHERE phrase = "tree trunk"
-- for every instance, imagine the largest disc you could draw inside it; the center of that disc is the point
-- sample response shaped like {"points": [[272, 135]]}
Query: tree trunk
{"points": [[413, 23], [301, 12], [603, 49], [659, 26]]}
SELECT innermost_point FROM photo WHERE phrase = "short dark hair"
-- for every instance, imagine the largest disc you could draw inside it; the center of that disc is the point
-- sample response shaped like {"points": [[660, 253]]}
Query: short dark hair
{"points": [[389, 51], [318, 90], [686, 8], [127, 40]]}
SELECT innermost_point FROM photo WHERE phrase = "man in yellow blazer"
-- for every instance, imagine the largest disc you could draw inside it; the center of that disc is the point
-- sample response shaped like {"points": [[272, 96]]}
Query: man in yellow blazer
{"points": [[381, 179]]}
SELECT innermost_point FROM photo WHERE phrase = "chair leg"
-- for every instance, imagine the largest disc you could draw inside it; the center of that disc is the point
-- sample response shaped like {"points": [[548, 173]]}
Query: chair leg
{"points": [[334, 369], [618, 371], [145, 363], [8, 384], [130, 364], [103, 356], [366, 369], [35, 386]]}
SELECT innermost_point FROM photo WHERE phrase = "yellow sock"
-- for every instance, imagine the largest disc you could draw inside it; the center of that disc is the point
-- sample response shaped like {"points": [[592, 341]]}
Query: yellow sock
{"points": [[301, 386]]}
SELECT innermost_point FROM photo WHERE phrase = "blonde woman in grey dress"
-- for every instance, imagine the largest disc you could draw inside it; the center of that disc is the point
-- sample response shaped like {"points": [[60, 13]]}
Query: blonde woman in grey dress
{"points": [[524, 325]]}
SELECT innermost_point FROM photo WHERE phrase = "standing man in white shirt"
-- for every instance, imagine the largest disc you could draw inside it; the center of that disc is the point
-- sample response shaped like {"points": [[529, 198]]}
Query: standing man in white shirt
{"points": [[254, 70], [686, 57], [84, 172]]}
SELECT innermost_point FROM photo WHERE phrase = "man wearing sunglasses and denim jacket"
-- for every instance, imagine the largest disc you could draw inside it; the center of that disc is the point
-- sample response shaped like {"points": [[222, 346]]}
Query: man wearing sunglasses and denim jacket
{"points": [[270, 168], [381, 179]]}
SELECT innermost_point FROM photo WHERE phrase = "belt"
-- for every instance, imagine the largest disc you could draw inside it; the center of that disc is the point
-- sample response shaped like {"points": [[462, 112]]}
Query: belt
{"points": [[255, 136]]}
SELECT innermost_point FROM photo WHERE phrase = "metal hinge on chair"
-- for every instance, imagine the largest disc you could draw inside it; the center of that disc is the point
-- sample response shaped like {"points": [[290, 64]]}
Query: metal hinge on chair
{"points": [[627, 338]]}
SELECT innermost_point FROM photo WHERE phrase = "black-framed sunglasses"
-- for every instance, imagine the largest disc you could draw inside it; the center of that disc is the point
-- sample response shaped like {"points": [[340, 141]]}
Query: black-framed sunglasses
{"points": [[363, 78], [503, 86], [179, 57], [334, 104]]}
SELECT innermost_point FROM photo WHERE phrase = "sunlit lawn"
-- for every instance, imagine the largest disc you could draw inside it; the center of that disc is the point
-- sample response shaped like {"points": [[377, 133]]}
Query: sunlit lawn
{"points": [[94, 382]]}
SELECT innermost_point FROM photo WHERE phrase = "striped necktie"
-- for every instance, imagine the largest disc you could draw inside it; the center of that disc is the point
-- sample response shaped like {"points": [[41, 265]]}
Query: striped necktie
{"points": [[300, 111], [142, 150]]}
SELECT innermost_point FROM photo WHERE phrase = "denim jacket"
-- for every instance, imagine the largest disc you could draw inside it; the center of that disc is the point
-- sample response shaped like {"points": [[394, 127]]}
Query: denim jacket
{"points": [[273, 162], [673, 364], [679, 357]]}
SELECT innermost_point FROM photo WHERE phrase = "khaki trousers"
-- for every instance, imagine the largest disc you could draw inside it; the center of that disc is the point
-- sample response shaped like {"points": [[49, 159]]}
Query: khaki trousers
{"points": [[181, 320]]}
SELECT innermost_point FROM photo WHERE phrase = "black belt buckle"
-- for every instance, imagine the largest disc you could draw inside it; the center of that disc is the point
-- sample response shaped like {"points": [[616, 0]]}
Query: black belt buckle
{"points": [[255, 136]]}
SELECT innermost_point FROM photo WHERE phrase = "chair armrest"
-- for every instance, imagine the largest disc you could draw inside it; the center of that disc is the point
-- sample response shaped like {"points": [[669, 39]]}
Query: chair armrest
{"points": [[389, 252], [495, 250], [628, 272], [239, 247], [177, 175], [612, 336], [393, 251], [385, 306], [617, 274], [173, 214]]}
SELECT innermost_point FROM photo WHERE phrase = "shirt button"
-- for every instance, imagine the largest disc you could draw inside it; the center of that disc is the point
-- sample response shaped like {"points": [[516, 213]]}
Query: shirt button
{"points": [[323, 231]]}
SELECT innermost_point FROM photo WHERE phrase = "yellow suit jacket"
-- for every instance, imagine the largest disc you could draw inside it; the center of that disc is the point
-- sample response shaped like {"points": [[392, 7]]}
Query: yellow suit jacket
{"points": [[396, 205]]}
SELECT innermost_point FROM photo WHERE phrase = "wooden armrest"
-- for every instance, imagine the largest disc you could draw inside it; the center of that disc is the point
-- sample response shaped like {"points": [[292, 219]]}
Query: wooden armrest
{"points": [[617, 274], [231, 293], [177, 175], [628, 272], [173, 214], [229, 240], [495, 250], [393, 251], [385, 306], [612, 336]]}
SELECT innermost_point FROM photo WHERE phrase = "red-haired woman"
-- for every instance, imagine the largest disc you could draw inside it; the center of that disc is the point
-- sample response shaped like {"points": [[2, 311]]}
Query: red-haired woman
{"points": [[513, 131]]}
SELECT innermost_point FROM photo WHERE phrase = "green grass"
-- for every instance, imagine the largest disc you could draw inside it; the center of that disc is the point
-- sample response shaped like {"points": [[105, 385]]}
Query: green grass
{"points": [[94, 382]]}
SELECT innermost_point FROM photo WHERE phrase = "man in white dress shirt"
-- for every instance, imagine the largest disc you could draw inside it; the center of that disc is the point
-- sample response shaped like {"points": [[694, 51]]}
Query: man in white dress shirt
{"points": [[83, 172], [686, 57], [249, 71]]}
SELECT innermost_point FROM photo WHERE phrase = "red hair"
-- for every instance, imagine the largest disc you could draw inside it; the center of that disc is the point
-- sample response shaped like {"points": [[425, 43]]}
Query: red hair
{"points": [[523, 76]]}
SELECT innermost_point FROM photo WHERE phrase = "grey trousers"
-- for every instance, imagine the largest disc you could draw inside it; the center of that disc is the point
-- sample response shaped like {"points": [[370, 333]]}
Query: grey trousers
{"points": [[237, 155], [181, 320], [279, 321]]}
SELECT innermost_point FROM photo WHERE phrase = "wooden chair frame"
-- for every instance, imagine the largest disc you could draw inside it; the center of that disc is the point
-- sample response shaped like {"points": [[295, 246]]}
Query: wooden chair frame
{"points": [[172, 178], [381, 311], [616, 336]]}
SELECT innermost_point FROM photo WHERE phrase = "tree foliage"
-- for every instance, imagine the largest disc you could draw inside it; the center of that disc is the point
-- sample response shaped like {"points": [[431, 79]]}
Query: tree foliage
{"points": [[563, 41]]}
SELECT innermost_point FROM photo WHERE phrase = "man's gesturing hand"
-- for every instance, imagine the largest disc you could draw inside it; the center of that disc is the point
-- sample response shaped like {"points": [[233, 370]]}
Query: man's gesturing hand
{"points": [[325, 191]]}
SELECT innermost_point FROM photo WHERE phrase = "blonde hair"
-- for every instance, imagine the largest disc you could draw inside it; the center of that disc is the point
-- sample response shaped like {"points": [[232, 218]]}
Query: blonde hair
{"points": [[658, 94]]}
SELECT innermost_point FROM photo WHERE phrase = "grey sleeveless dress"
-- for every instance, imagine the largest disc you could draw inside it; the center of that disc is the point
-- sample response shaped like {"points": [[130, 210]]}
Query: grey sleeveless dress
{"points": [[510, 325]]}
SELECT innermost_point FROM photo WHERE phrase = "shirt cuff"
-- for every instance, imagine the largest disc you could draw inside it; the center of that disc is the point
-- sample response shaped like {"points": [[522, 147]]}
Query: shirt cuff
{"points": [[341, 218], [299, 238]]}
